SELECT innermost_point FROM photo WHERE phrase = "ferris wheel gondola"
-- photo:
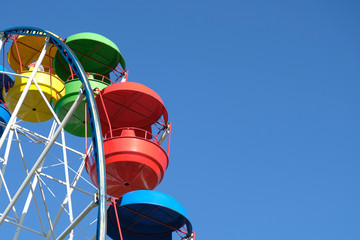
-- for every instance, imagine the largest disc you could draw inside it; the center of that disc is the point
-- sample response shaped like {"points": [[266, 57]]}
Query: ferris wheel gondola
{"points": [[147, 215]]}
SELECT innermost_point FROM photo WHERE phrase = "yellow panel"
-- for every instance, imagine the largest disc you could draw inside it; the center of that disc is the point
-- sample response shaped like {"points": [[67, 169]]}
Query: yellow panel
{"points": [[34, 108], [29, 48]]}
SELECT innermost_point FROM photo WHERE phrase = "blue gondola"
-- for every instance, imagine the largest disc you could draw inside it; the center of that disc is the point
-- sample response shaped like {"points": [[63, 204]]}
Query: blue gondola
{"points": [[147, 215]]}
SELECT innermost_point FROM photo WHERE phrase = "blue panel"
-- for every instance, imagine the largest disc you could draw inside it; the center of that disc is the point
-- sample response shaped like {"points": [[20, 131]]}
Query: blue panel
{"points": [[6, 81], [147, 215], [4, 117], [153, 197], [126, 236], [140, 231]]}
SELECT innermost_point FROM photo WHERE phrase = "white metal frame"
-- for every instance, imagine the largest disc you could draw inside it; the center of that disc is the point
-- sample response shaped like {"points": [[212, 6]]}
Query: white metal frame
{"points": [[34, 174]]}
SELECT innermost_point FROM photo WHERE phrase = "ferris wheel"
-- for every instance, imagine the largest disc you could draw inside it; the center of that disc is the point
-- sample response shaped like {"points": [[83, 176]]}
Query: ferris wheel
{"points": [[81, 148], [44, 188]]}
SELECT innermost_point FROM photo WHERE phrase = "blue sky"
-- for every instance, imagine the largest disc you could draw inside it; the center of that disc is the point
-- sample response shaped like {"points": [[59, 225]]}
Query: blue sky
{"points": [[264, 101]]}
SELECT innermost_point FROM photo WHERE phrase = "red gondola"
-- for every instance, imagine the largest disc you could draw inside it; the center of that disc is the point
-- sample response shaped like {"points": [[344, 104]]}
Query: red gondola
{"points": [[133, 156]]}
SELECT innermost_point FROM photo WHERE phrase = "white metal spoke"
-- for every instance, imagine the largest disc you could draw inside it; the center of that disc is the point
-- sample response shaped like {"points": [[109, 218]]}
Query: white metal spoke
{"points": [[71, 169], [78, 219], [82, 230], [64, 183], [67, 182], [87, 181], [23, 227], [15, 74], [45, 206], [31, 195], [8, 194], [52, 193], [6, 156]]}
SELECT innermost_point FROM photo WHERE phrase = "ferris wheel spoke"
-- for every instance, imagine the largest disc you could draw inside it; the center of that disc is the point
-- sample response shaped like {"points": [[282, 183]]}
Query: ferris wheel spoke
{"points": [[6, 156], [82, 230], [66, 169], [31, 195], [21, 153], [85, 212], [72, 187], [53, 195], [8, 195], [12, 221], [45, 206]]}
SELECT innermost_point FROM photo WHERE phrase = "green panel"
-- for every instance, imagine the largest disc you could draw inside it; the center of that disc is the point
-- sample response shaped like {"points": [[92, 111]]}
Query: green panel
{"points": [[76, 124], [93, 51]]}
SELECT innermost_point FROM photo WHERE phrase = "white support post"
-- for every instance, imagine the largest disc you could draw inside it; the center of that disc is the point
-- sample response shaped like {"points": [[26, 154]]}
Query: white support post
{"points": [[6, 156], [68, 190]]}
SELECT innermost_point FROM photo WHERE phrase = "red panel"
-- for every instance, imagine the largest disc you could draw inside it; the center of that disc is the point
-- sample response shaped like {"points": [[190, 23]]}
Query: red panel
{"points": [[129, 104], [131, 164]]}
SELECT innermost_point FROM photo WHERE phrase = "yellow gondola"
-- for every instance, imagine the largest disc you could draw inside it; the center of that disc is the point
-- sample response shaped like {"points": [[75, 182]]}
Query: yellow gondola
{"points": [[22, 56], [35, 108], [26, 50]]}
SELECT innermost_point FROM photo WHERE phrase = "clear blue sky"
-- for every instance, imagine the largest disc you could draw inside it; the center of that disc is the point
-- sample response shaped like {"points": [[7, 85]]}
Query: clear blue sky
{"points": [[264, 97]]}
